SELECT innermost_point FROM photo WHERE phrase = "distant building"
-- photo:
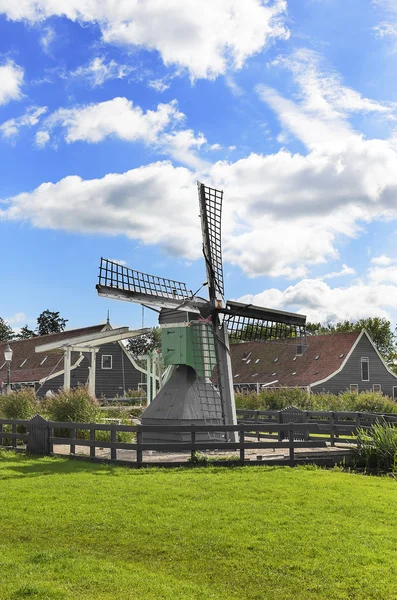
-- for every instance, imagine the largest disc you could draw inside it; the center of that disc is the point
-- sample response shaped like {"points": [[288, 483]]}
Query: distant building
{"points": [[115, 370], [333, 362]]}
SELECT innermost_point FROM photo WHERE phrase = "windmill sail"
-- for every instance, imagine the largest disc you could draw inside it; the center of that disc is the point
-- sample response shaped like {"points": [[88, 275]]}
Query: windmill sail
{"points": [[211, 218], [120, 282]]}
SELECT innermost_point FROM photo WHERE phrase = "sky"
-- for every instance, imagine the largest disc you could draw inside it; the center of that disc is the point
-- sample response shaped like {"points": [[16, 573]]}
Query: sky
{"points": [[111, 112]]}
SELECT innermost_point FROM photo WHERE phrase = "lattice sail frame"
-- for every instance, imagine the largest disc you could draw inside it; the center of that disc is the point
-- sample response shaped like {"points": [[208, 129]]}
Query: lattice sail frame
{"points": [[121, 278], [247, 329], [211, 217]]}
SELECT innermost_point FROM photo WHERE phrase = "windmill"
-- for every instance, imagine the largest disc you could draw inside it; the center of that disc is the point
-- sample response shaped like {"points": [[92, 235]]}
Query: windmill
{"points": [[196, 331]]}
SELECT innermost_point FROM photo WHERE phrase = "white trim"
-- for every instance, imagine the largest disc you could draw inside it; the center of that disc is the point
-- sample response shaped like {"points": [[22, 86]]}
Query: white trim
{"points": [[132, 360], [58, 373], [111, 362], [23, 362], [348, 355], [364, 360], [355, 386]]}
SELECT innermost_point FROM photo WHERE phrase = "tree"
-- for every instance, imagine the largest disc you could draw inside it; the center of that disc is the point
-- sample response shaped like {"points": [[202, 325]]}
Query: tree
{"points": [[145, 343], [6, 332], [25, 333], [50, 322]]}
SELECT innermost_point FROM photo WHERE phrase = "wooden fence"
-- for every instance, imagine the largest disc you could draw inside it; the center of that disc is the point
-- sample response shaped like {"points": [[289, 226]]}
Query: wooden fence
{"points": [[39, 438], [335, 426]]}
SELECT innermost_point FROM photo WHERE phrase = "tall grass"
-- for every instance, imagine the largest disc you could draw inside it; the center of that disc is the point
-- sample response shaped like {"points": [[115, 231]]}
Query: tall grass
{"points": [[377, 447]]}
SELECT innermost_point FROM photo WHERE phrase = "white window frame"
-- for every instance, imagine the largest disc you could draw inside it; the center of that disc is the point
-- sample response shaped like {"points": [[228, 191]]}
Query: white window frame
{"points": [[23, 362], [394, 392], [376, 385], [354, 387], [111, 362], [364, 359]]}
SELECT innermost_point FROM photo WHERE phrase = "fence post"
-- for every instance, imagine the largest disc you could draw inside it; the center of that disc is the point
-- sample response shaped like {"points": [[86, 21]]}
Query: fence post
{"points": [[242, 443], [138, 443], [92, 439], [279, 421], [38, 441], [113, 438], [193, 441], [291, 444], [331, 423]]}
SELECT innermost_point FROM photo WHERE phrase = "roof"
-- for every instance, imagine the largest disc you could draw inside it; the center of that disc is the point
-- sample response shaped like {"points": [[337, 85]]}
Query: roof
{"points": [[266, 362], [38, 366]]}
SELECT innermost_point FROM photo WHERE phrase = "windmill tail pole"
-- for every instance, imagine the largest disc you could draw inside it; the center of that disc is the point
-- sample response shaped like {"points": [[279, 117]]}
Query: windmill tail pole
{"points": [[226, 379]]}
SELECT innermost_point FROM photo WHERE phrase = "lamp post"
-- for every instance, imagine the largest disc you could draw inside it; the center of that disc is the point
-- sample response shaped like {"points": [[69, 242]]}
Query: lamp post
{"points": [[8, 358]]}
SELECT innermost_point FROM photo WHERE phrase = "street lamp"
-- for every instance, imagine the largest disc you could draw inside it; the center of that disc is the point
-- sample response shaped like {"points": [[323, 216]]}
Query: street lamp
{"points": [[8, 358]]}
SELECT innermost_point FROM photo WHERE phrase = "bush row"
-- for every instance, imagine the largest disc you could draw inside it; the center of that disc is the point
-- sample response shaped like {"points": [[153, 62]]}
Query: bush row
{"points": [[350, 401], [76, 406]]}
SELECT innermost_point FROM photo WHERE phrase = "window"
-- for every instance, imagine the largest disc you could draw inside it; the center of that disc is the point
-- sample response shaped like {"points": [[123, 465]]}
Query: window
{"points": [[354, 387], [22, 363], [377, 387], [248, 361], [275, 360], [107, 360], [395, 392], [43, 361], [294, 358], [238, 375], [317, 357], [341, 355], [257, 360], [273, 374], [364, 368], [294, 373], [299, 350]]}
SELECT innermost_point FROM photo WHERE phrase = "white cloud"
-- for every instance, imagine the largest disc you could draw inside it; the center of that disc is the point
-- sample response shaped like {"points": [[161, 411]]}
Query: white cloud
{"points": [[47, 39], [381, 274], [322, 89], [42, 138], [183, 146], [11, 80], [118, 117], [206, 38], [159, 85], [10, 129], [324, 304], [152, 204], [122, 263], [98, 71], [17, 319], [382, 260], [342, 273]]}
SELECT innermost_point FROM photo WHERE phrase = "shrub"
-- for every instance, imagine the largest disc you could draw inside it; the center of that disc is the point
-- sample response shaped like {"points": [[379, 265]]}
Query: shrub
{"points": [[22, 404], [377, 447], [76, 406]]}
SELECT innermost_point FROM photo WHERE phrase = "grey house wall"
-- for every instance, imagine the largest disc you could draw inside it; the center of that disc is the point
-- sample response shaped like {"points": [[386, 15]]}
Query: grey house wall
{"points": [[108, 382], [351, 372]]}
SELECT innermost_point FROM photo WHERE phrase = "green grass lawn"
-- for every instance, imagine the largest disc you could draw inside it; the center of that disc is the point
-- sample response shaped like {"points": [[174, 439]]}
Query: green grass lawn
{"points": [[72, 530]]}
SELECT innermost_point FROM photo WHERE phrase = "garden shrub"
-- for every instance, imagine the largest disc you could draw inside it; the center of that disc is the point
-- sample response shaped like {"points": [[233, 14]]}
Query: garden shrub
{"points": [[76, 406], [367, 401], [21, 404]]}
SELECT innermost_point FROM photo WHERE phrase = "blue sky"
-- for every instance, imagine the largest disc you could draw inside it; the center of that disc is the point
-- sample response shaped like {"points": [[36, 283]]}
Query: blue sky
{"points": [[110, 113]]}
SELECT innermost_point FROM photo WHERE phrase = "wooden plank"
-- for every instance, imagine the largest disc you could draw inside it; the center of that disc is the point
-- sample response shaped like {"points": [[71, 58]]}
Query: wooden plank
{"points": [[14, 436]]}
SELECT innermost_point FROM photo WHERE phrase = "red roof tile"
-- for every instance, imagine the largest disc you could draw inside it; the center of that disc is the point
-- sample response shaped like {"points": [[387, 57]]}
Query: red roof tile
{"points": [[32, 370], [264, 362]]}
